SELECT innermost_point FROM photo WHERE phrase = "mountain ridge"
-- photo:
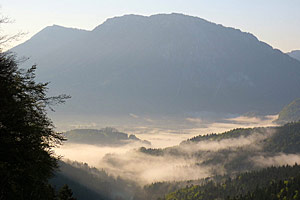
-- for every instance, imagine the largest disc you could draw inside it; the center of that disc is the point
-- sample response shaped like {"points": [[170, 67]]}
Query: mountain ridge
{"points": [[169, 63], [295, 54]]}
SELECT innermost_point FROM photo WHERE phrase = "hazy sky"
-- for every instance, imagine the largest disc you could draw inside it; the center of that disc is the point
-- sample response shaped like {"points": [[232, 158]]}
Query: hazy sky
{"points": [[276, 22]]}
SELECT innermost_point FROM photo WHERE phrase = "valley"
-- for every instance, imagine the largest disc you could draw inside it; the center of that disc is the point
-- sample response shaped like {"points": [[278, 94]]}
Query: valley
{"points": [[198, 102]]}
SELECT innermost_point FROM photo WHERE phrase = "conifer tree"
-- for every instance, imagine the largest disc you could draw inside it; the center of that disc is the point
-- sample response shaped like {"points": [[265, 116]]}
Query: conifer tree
{"points": [[65, 193]]}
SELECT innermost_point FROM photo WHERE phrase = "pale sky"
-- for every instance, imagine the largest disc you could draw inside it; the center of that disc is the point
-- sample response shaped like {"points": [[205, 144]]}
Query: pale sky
{"points": [[276, 22]]}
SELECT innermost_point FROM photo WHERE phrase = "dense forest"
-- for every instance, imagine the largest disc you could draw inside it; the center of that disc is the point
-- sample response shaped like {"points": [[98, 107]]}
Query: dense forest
{"points": [[243, 150], [284, 138], [90, 183], [93, 184], [237, 150], [286, 189], [270, 183], [289, 113]]}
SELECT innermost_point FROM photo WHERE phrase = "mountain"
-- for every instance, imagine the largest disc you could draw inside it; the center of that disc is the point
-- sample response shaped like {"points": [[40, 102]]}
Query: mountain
{"points": [[162, 64], [290, 113], [295, 54], [48, 40], [105, 137]]}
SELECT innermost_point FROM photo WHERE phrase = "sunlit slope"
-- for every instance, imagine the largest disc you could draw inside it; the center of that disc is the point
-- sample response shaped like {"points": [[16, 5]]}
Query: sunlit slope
{"points": [[163, 64], [270, 183], [290, 113], [89, 183], [47, 41]]}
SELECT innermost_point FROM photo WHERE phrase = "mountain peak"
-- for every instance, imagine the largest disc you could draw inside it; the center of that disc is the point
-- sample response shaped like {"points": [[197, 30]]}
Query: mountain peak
{"points": [[56, 27], [175, 63], [120, 20], [133, 19]]}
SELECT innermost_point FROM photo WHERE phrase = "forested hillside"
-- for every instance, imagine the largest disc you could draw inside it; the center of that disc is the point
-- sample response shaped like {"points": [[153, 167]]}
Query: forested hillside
{"points": [[89, 183], [283, 189], [270, 183], [237, 150], [289, 113], [92, 184], [227, 161], [104, 137]]}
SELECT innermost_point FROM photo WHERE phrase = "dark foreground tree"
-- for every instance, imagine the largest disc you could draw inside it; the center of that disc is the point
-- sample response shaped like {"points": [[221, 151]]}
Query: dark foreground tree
{"points": [[65, 193], [26, 133]]}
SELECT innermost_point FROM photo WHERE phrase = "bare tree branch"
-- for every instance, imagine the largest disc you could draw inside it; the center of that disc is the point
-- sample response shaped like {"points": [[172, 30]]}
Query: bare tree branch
{"points": [[5, 40], [5, 20]]}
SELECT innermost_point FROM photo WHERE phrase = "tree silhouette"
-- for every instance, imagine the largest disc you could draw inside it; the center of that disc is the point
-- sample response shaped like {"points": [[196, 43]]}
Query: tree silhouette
{"points": [[65, 193], [26, 133]]}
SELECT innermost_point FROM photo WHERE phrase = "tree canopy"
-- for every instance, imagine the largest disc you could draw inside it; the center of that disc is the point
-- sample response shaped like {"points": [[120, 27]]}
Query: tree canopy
{"points": [[26, 133]]}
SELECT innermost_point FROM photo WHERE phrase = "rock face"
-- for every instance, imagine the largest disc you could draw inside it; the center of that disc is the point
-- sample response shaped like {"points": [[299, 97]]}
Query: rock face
{"points": [[295, 54], [162, 64], [290, 113]]}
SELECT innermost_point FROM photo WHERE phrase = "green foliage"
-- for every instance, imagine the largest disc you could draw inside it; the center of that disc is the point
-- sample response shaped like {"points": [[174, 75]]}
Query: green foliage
{"points": [[156, 190], [281, 190], [264, 184], [26, 133]]}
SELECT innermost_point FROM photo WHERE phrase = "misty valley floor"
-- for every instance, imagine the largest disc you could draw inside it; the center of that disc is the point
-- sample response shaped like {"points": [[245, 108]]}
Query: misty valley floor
{"points": [[135, 169], [160, 137]]}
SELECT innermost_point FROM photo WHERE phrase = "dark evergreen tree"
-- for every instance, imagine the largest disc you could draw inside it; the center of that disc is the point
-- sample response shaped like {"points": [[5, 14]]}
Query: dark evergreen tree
{"points": [[65, 193]]}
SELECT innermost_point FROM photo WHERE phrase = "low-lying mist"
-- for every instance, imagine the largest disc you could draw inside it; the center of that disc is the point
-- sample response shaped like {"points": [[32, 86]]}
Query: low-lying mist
{"points": [[128, 162], [276, 160]]}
